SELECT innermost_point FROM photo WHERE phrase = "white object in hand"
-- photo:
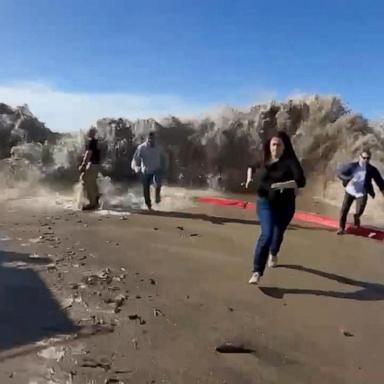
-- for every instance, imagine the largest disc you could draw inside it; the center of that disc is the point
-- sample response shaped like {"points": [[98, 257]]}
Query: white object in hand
{"points": [[291, 184]]}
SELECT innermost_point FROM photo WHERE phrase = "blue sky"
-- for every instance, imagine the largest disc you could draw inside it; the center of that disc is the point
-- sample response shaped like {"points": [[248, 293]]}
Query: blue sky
{"points": [[108, 57]]}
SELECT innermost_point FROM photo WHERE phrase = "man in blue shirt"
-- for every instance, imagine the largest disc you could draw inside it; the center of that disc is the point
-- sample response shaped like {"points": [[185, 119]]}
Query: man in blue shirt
{"points": [[150, 160], [357, 179]]}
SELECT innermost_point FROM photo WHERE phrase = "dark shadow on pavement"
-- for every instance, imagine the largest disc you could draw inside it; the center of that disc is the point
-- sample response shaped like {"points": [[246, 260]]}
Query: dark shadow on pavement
{"points": [[367, 292], [213, 219], [197, 216], [311, 228], [28, 310], [221, 220]]}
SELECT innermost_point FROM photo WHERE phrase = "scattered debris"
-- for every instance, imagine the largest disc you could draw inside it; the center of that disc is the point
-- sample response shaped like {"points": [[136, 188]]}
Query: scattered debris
{"points": [[54, 340], [233, 348], [113, 289], [92, 363], [157, 313], [230, 309], [113, 380], [120, 277], [152, 281], [180, 228], [15, 264], [137, 317], [51, 267], [195, 235], [346, 333], [118, 301], [35, 240], [135, 344], [122, 371], [52, 353], [78, 350], [95, 329], [104, 276], [67, 303], [79, 300]]}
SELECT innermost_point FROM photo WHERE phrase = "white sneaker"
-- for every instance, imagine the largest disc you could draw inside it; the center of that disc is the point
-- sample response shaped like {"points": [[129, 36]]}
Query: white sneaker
{"points": [[254, 278], [272, 261]]}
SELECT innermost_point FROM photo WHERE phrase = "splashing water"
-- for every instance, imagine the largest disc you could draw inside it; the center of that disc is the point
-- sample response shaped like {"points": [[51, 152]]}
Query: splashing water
{"points": [[213, 151]]}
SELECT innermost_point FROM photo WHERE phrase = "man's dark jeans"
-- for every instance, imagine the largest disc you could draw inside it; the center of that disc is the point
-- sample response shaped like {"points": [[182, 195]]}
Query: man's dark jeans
{"points": [[151, 178], [361, 203]]}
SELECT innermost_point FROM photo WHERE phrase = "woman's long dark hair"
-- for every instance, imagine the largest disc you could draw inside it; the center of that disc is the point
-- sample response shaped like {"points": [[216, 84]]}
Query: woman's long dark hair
{"points": [[289, 152]]}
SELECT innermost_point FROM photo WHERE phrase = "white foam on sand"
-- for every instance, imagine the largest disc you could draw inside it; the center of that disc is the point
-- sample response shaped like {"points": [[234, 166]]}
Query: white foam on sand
{"points": [[116, 199]]}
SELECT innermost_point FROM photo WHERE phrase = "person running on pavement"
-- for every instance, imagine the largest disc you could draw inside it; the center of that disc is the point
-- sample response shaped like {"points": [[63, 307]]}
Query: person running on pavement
{"points": [[281, 176], [357, 179], [89, 170], [151, 161]]}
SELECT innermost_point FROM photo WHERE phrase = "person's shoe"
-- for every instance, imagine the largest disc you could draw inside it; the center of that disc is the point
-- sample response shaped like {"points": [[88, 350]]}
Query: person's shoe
{"points": [[340, 231], [158, 199], [149, 207], [89, 207], [255, 278], [272, 261], [356, 220]]}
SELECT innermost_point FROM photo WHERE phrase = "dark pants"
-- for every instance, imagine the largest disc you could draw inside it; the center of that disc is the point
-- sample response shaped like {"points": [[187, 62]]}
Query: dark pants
{"points": [[147, 179], [274, 221], [361, 203]]}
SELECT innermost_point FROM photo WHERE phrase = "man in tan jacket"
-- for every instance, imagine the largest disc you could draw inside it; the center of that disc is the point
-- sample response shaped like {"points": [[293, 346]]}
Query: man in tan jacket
{"points": [[89, 170]]}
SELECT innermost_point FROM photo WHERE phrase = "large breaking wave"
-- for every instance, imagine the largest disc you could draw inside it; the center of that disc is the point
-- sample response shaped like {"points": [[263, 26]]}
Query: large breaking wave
{"points": [[209, 152]]}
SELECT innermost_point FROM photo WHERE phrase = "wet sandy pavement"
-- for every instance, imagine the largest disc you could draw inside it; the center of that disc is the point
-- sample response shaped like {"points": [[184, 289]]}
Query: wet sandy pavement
{"points": [[147, 298]]}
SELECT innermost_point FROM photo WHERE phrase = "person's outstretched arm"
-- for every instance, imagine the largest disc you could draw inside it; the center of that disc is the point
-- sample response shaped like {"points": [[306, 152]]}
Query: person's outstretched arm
{"points": [[378, 180], [86, 158], [136, 161], [250, 172], [344, 172]]}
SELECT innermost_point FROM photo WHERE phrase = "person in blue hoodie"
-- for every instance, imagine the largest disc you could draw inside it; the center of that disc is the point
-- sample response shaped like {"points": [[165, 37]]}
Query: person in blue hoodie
{"points": [[357, 180]]}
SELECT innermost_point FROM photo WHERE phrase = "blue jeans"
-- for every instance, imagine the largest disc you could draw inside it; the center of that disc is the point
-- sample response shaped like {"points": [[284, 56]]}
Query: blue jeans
{"points": [[151, 178], [274, 221]]}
